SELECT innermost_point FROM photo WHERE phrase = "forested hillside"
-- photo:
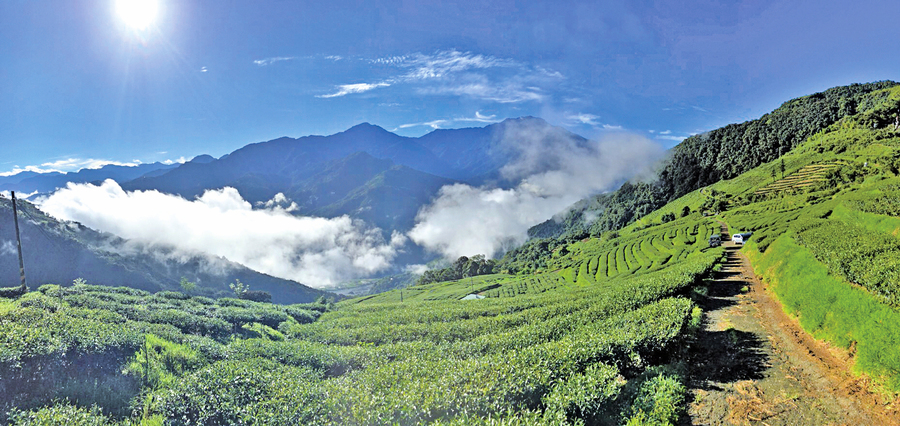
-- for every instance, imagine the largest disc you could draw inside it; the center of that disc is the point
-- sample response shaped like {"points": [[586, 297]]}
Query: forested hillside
{"points": [[723, 153]]}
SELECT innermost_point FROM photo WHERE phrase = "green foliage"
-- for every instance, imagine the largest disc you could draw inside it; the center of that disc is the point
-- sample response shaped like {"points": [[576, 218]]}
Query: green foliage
{"points": [[659, 401], [462, 268], [159, 362], [187, 286], [256, 296], [60, 414], [832, 309], [585, 395], [252, 391], [722, 154], [238, 288], [868, 258]]}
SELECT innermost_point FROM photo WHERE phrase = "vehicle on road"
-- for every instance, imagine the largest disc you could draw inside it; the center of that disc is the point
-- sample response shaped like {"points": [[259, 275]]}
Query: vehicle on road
{"points": [[741, 238]]}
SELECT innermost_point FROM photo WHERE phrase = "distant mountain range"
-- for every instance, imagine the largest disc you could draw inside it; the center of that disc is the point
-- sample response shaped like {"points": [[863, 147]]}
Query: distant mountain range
{"points": [[365, 172], [28, 182]]}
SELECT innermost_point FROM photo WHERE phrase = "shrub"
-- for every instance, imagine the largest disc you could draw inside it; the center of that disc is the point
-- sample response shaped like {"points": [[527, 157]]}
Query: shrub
{"points": [[659, 401], [247, 391], [11, 292], [256, 296], [60, 414]]}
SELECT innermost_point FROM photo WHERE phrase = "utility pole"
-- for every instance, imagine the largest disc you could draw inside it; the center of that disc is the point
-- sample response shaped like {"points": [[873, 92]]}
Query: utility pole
{"points": [[19, 242]]}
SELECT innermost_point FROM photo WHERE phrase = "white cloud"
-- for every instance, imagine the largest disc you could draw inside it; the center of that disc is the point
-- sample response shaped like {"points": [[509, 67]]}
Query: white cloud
{"points": [[451, 72], [447, 62], [417, 269], [203, 69], [552, 170], [269, 61], [346, 89], [279, 202], [179, 160], [611, 127], [671, 138], [20, 195], [481, 87], [485, 118], [69, 165], [334, 57], [438, 124], [435, 124], [8, 247], [313, 251], [583, 118], [665, 132]]}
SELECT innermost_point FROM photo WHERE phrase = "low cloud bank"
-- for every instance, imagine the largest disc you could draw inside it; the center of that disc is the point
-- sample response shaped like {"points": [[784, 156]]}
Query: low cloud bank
{"points": [[310, 250], [552, 168]]}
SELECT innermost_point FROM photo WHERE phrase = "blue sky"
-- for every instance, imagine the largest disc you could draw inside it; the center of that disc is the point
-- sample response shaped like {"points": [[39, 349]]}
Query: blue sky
{"points": [[80, 87]]}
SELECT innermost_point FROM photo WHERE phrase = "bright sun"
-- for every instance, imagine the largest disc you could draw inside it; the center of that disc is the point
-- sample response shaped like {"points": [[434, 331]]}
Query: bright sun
{"points": [[137, 14]]}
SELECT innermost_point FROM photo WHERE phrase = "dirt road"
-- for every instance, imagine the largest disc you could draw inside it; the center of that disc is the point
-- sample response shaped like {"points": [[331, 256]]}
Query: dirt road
{"points": [[753, 365]]}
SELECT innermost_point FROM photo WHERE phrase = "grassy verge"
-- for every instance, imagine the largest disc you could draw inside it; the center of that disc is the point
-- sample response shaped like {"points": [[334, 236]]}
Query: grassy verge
{"points": [[832, 309]]}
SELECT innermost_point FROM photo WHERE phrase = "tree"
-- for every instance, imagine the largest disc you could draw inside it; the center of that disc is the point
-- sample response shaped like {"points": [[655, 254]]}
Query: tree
{"points": [[238, 287], [774, 175], [685, 211], [187, 286], [782, 168]]}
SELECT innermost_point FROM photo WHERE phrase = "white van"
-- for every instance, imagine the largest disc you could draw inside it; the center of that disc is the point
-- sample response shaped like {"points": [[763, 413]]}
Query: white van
{"points": [[737, 239]]}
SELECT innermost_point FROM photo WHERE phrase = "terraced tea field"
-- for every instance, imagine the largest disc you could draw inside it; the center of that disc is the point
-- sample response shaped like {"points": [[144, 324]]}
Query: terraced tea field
{"points": [[804, 178], [594, 261]]}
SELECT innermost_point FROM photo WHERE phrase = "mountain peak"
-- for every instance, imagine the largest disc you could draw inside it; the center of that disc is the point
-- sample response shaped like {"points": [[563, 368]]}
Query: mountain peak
{"points": [[366, 127], [202, 159]]}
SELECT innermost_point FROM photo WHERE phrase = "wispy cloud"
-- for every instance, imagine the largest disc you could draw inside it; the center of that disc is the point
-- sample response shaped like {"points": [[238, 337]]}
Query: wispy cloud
{"points": [[671, 138], [611, 127], [346, 89], [464, 74], [203, 69], [504, 94], [583, 118], [68, 165], [449, 62], [269, 61], [438, 124]]}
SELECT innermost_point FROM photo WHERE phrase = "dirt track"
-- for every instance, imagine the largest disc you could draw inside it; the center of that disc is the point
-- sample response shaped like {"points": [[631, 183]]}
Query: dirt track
{"points": [[753, 364]]}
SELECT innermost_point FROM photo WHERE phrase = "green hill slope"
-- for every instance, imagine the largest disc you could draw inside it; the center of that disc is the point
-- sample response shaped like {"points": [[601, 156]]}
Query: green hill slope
{"points": [[723, 153]]}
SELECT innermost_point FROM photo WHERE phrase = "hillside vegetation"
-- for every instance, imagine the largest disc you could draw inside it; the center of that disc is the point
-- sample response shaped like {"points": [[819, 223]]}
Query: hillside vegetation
{"points": [[554, 353], [724, 153]]}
